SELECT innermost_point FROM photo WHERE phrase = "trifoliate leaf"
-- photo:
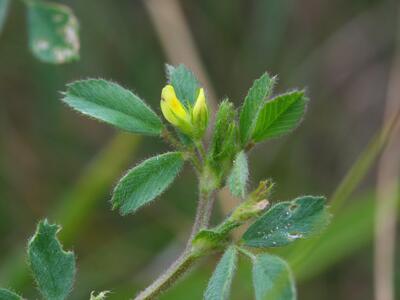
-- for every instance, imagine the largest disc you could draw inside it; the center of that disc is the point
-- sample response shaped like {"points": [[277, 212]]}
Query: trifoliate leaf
{"points": [[220, 282], [184, 82], [239, 175], [286, 222], [272, 278], [253, 103], [52, 267], [146, 181], [109, 102], [7, 294], [280, 115], [53, 32]]}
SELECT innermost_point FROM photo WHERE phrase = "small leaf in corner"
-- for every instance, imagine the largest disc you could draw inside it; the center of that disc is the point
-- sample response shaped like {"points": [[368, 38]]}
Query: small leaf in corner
{"points": [[52, 267], [286, 222], [145, 182], [272, 278], [4, 4], [220, 282], [7, 294], [53, 32]]}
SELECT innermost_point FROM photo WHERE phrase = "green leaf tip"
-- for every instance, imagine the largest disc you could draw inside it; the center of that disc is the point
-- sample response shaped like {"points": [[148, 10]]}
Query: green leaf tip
{"points": [[260, 90], [184, 82], [145, 182], [221, 280], [7, 294], [280, 115], [110, 103], [53, 32], [286, 222], [52, 267], [272, 278]]}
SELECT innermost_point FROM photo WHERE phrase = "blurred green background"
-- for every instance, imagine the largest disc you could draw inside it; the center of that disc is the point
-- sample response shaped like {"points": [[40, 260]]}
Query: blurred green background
{"points": [[56, 163]]}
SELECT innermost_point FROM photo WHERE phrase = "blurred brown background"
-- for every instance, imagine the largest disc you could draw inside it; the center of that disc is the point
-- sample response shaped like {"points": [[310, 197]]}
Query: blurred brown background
{"points": [[56, 163]]}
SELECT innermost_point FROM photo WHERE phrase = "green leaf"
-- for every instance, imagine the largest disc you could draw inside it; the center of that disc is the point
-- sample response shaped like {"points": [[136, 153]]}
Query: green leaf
{"points": [[184, 82], [220, 282], [253, 102], [4, 4], [52, 267], [8, 295], [280, 116], [53, 32], [239, 175], [146, 181], [272, 278], [288, 221], [109, 102], [223, 143]]}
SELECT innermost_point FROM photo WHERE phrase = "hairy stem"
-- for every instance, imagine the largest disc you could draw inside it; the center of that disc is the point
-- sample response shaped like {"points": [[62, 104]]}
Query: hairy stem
{"points": [[187, 258], [169, 277]]}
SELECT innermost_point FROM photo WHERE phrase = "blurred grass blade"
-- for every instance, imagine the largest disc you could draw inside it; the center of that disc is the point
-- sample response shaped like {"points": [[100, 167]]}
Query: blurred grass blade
{"points": [[76, 206], [303, 251], [360, 168]]}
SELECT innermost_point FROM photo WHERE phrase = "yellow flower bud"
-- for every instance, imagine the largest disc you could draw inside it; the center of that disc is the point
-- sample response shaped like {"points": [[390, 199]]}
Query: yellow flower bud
{"points": [[200, 113], [174, 111]]}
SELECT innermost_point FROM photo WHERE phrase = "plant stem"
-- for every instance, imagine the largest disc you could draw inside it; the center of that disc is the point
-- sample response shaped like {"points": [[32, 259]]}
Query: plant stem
{"points": [[203, 214], [166, 280], [187, 258]]}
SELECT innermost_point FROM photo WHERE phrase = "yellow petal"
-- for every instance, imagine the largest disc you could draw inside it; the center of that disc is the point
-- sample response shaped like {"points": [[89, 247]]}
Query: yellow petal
{"points": [[169, 97]]}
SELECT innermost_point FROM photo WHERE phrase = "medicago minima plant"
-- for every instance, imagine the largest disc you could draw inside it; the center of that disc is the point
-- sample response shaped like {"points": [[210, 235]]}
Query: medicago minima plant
{"points": [[222, 163]]}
